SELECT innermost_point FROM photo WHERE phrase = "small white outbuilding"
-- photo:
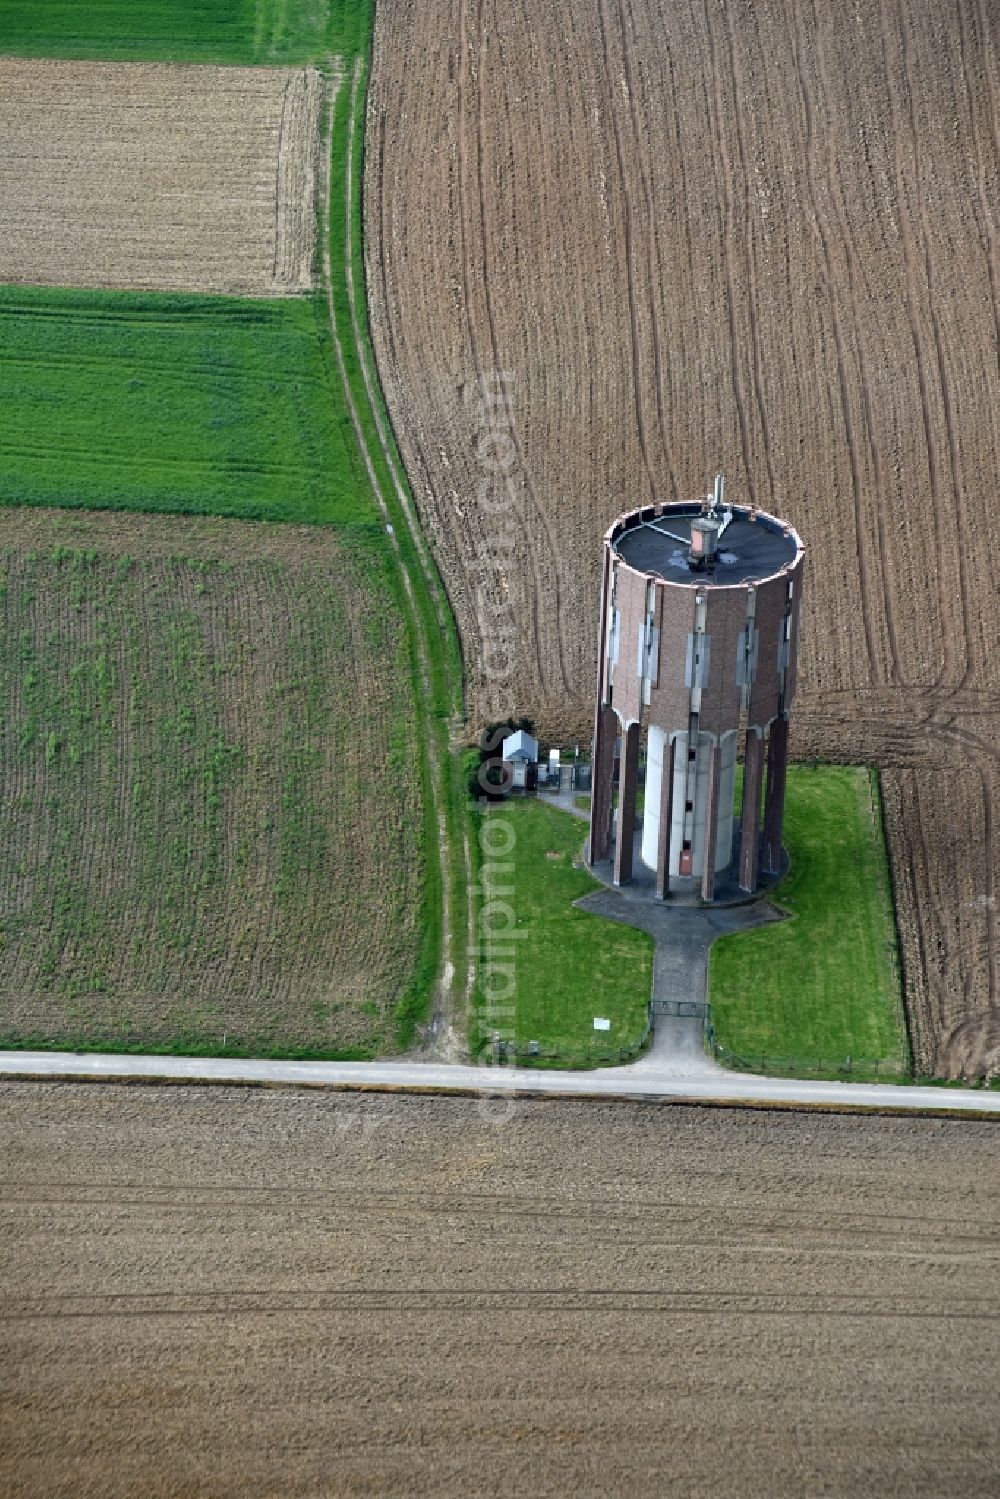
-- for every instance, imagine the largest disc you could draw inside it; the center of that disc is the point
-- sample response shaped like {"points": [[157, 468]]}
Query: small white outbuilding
{"points": [[520, 751], [520, 748]]}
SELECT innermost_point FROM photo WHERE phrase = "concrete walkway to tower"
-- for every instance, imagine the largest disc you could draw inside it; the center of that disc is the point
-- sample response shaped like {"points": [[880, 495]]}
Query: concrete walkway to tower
{"points": [[683, 936], [565, 800]]}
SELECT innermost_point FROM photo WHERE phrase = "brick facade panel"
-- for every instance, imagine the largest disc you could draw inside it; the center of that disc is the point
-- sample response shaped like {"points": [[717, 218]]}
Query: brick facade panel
{"points": [[669, 700], [770, 617], [630, 601], [720, 699], [798, 573]]}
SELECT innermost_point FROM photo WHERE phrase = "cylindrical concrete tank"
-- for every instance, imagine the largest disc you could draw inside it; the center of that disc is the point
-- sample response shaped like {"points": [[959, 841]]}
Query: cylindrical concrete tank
{"points": [[699, 634]]}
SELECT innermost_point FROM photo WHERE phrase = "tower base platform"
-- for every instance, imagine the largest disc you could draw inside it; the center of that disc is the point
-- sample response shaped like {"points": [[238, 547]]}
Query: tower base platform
{"points": [[685, 891]]}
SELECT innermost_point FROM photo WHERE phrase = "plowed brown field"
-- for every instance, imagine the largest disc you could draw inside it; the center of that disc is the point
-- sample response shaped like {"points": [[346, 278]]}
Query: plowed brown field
{"points": [[759, 238], [155, 176], [387, 1296]]}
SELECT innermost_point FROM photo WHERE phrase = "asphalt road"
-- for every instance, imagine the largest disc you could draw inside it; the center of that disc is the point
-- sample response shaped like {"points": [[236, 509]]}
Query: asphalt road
{"points": [[654, 1076]]}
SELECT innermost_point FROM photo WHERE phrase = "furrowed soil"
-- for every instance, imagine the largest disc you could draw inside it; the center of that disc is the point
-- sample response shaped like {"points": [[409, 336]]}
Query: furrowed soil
{"points": [[147, 176], [358, 1295], [210, 812], [761, 239]]}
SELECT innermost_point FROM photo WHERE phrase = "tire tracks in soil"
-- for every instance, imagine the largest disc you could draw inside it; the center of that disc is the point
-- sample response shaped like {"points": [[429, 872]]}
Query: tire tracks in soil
{"points": [[906, 871], [718, 116], [984, 214], [961, 529], [911, 256], [989, 891], [461, 86], [750, 258], [864, 581], [413, 435], [511, 1299], [954, 967], [983, 751], [537, 600], [653, 268], [538, 604], [855, 270], [629, 258]]}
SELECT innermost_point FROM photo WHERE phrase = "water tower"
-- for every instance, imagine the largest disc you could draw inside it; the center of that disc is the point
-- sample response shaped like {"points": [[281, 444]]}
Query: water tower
{"points": [[698, 643]]}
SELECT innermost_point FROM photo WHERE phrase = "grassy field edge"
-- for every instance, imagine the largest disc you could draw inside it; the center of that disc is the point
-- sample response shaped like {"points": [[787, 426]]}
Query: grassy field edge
{"points": [[432, 624], [566, 961], [819, 995]]}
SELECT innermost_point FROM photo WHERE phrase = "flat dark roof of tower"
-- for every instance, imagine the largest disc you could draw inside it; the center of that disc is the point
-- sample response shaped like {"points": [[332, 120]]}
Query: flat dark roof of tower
{"points": [[748, 549]]}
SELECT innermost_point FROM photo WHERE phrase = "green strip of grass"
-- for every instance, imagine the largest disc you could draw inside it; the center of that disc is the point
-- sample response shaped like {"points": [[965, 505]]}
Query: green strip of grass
{"points": [[433, 617], [345, 243], [825, 986], [195, 405], [217, 31], [568, 965], [189, 1044]]}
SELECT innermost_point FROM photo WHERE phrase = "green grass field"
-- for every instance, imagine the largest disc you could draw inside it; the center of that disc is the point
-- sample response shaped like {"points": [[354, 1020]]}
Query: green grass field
{"points": [[222, 31], [196, 405], [824, 986], [569, 964]]}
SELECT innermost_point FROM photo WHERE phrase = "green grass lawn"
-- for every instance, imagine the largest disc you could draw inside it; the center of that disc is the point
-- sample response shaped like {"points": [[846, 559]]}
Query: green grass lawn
{"points": [[569, 965], [825, 985], [196, 405], [224, 31]]}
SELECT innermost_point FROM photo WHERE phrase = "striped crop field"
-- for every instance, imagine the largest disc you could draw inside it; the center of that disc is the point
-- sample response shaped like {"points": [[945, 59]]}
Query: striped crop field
{"points": [[161, 177]]}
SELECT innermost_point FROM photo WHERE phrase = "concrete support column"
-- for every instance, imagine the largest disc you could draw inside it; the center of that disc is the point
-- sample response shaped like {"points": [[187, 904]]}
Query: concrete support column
{"points": [[774, 801], [628, 780], [753, 774], [666, 816], [602, 777], [711, 823]]}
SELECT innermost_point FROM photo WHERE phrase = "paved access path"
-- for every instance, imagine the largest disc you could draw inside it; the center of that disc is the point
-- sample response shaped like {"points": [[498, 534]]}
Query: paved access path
{"points": [[683, 936], [647, 1079], [565, 800]]}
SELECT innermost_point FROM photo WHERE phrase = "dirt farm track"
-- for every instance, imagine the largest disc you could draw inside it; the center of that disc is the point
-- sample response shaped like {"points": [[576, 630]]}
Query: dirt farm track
{"points": [[764, 238], [587, 1298]]}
